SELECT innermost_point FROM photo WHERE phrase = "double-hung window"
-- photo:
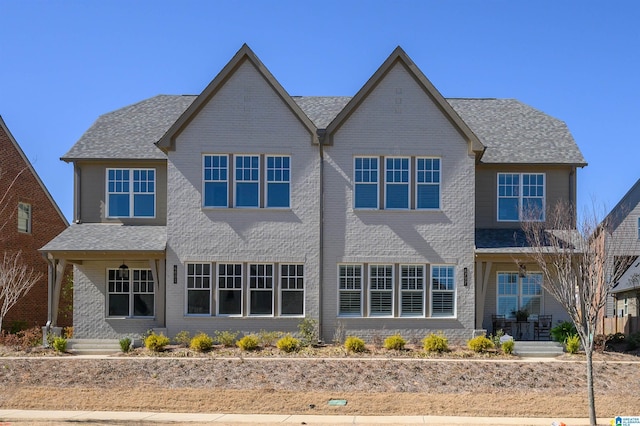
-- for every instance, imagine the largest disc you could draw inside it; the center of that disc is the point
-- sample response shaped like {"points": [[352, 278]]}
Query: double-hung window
{"points": [[396, 183], [131, 192], [442, 291], [130, 293], [381, 290], [521, 196], [230, 288], [216, 181], [247, 181], [260, 289], [366, 182], [291, 289], [411, 290], [427, 183], [24, 218], [517, 292], [278, 181], [350, 290], [199, 288]]}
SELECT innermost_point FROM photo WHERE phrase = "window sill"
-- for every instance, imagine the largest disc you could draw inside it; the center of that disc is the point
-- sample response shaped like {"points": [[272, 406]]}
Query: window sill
{"points": [[132, 318]]}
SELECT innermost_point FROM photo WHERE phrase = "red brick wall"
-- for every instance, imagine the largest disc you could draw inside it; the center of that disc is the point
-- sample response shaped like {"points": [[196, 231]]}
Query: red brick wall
{"points": [[46, 223]]}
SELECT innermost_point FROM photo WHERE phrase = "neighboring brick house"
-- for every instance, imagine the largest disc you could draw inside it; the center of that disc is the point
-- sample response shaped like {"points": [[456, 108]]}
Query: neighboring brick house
{"points": [[245, 208], [29, 217]]}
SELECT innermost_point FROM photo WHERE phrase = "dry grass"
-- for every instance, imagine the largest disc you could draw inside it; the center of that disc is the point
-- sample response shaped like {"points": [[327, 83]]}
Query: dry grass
{"points": [[378, 382]]}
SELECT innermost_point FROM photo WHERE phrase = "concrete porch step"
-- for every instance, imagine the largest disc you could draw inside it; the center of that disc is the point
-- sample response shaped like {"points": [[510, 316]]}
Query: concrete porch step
{"points": [[93, 346], [538, 349]]}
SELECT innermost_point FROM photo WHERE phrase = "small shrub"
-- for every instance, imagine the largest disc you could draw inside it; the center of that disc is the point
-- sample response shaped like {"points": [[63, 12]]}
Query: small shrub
{"points": [[573, 344], [248, 343], [59, 344], [480, 344], [183, 338], [288, 344], [308, 331], [435, 343], [633, 341], [616, 338], [395, 342], [156, 342], [226, 338], [495, 338], [268, 338], [508, 346], [562, 331], [201, 342], [600, 342], [18, 326], [338, 334], [354, 344], [125, 344], [67, 332]]}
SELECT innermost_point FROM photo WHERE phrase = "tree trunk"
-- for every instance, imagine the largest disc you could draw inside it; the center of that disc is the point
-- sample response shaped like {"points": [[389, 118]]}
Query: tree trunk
{"points": [[591, 396]]}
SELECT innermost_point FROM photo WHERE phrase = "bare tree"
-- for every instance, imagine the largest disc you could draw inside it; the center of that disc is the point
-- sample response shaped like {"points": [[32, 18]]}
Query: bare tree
{"points": [[16, 279], [578, 270]]}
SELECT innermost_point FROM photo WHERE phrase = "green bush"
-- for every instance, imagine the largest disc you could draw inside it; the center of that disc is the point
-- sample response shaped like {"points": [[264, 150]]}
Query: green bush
{"points": [[156, 342], [616, 338], [125, 344], [573, 344], [633, 341], [288, 344], [435, 343], [248, 343], [183, 338], [201, 342], [60, 344], [562, 331], [268, 338], [395, 342], [480, 344], [508, 346], [354, 344], [308, 331], [226, 338]]}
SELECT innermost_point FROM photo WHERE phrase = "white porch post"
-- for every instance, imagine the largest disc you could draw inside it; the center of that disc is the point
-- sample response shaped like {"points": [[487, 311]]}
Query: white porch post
{"points": [[482, 282]]}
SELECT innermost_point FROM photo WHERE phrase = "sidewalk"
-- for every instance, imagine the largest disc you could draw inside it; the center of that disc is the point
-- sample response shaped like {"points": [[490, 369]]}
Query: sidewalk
{"points": [[125, 417]]}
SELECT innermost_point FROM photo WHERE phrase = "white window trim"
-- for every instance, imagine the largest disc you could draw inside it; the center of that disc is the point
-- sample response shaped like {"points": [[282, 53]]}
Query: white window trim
{"points": [[278, 273], [28, 218], [392, 291], [454, 291], [417, 184], [387, 183], [520, 196], [401, 291], [186, 289], [267, 182], [519, 295], [131, 193], [236, 181], [274, 286], [216, 265], [130, 293], [377, 184], [227, 181], [362, 286]]}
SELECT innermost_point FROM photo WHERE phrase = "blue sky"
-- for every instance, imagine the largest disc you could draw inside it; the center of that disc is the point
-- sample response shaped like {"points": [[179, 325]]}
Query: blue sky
{"points": [[64, 63]]}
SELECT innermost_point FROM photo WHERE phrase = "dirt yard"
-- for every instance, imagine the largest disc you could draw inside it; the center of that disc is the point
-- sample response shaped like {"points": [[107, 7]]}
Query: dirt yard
{"points": [[372, 384]]}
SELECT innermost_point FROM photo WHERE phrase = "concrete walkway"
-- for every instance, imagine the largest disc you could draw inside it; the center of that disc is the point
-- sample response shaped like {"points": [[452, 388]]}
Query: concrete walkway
{"points": [[126, 417]]}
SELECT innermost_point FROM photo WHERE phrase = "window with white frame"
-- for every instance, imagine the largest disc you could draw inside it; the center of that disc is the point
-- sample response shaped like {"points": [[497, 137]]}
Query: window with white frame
{"points": [[381, 290], [230, 289], [292, 289], [247, 174], [350, 290], [24, 218], [515, 292], [216, 180], [639, 228], [411, 290], [366, 182], [427, 183], [442, 291], [521, 196], [260, 289], [130, 293], [131, 192], [278, 181], [397, 183], [199, 288]]}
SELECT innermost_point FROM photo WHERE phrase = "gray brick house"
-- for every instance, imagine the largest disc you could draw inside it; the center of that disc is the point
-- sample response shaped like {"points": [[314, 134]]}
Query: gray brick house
{"points": [[245, 208]]}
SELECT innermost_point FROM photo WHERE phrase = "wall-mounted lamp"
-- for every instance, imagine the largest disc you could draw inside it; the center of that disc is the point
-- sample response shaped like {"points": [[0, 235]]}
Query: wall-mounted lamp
{"points": [[124, 271], [175, 274], [466, 277], [522, 270]]}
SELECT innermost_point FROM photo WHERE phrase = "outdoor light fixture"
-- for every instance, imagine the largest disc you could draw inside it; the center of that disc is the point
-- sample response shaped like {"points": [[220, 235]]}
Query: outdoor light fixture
{"points": [[466, 277], [522, 270], [124, 271]]}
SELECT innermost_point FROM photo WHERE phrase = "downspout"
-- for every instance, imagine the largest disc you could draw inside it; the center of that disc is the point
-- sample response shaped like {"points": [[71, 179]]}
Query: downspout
{"points": [[321, 136], [77, 208]]}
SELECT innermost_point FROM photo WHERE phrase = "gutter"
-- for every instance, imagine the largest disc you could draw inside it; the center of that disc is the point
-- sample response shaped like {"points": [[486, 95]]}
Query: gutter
{"points": [[321, 137]]}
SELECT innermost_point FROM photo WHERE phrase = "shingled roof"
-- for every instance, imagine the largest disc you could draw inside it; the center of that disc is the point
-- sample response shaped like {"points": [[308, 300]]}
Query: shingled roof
{"points": [[514, 133], [109, 238]]}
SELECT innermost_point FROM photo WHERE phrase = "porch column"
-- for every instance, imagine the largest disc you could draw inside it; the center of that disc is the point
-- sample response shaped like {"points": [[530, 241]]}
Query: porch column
{"points": [[158, 273], [482, 282], [56, 274]]}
